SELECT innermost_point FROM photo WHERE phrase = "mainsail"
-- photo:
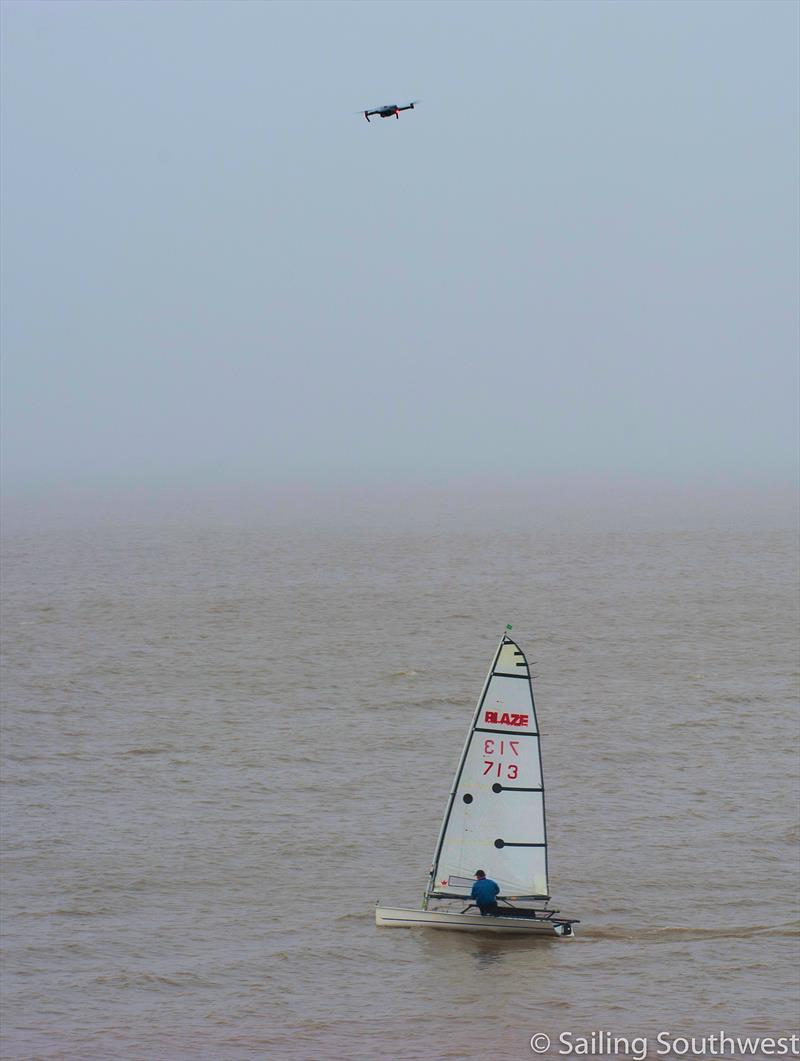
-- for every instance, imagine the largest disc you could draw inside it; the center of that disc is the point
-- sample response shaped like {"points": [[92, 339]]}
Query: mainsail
{"points": [[495, 814]]}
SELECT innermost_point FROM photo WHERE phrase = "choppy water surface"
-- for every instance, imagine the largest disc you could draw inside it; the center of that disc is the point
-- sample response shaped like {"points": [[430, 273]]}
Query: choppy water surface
{"points": [[223, 746]]}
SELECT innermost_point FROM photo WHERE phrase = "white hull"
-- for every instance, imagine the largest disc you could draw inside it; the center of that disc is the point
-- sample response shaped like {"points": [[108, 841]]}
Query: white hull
{"points": [[397, 917]]}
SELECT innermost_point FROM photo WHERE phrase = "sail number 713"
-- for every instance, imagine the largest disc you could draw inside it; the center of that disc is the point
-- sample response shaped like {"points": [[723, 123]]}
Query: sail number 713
{"points": [[498, 747]]}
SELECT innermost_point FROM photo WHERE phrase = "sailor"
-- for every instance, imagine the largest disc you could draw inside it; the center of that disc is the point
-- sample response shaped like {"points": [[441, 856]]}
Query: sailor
{"points": [[485, 892]]}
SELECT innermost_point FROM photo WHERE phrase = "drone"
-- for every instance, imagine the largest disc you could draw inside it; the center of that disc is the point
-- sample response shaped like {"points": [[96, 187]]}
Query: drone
{"points": [[391, 109]]}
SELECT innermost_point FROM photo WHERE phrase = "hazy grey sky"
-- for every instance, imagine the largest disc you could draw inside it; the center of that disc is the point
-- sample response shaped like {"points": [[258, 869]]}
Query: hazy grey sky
{"points": [[576, 259]]}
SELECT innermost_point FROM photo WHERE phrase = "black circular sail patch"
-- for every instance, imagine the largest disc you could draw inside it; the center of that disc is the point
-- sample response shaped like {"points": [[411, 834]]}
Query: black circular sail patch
{"points": [[499, 843], [467, 798], [497, 787]]}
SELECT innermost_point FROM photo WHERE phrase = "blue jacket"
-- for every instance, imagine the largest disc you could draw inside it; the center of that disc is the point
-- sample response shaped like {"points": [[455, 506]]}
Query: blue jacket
{"points": [[485, 891]]}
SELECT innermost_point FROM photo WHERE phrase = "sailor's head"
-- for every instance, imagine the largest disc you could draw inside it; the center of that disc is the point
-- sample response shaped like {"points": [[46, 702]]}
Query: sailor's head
{"points": [[479, 874]]}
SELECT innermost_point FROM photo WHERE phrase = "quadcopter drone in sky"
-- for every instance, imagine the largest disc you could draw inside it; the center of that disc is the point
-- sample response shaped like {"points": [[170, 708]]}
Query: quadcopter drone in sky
{"points": [[391, 110]]}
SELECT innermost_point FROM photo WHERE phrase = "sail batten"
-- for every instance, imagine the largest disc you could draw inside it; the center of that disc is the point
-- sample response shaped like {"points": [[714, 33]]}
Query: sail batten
{"points": [[495, 817]]}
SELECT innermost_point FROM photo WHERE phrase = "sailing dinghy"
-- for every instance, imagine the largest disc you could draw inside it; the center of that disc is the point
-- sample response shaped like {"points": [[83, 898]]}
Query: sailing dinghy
{"points": [[494, 819]]}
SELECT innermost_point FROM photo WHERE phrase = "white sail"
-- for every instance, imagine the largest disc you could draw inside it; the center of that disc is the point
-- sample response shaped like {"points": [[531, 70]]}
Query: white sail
{"points": [[495, 815]]}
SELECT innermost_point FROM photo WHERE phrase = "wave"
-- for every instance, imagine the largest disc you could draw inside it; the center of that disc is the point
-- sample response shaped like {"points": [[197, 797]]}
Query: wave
{"points": [[177, 979], [65, 911], [738, 698], [676, 934], [148, 751]]}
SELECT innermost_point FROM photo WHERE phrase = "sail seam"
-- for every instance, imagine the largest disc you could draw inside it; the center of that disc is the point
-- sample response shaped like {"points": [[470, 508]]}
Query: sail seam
{"points": [[513, 732]]}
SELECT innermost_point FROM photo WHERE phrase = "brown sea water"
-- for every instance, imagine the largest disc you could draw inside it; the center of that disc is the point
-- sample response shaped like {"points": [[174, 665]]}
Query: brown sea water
{"points": [[223, 745]]}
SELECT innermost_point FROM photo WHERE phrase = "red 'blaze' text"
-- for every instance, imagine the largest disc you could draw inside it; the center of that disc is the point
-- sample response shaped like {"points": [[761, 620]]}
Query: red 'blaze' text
{"points": [[505, 719]]}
